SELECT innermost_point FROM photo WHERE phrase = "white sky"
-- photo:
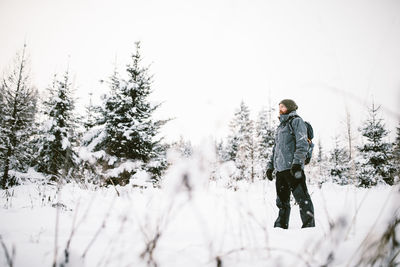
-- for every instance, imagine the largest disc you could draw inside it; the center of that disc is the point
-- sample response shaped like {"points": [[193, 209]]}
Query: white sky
{"points": [[209, 55]]}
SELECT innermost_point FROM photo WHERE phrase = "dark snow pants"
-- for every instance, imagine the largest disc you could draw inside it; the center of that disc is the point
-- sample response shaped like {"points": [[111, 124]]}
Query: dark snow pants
{"points": [[286, 183]]}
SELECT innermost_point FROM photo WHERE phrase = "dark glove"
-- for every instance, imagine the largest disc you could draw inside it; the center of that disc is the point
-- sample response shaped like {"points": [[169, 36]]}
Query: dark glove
{"points": [[269, 174], [296, 171]]}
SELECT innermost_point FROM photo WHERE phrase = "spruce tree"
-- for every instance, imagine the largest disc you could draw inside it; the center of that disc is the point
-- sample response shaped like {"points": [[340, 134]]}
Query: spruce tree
{"points": [[221, 151], [320, 152], [396, 152], [92, 114], [265, 136], [127, 133], [18, 109], [321, 164], [241, 147], [339, 164], [375, 162], [183, 147], [58, 135]]}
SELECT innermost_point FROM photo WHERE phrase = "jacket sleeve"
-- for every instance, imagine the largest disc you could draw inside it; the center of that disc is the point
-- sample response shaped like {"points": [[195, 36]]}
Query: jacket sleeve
{"points": [[301, 149], [270, 164]]}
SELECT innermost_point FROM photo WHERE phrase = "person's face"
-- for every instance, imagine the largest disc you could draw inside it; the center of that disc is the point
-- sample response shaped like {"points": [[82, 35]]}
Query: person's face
{"points": [[282, 109]]}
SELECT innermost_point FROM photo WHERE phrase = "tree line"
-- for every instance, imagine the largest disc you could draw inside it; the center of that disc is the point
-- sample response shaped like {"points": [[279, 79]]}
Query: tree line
{"points": [[249, 146], [374, 161], [118, 139], [111, 142]]}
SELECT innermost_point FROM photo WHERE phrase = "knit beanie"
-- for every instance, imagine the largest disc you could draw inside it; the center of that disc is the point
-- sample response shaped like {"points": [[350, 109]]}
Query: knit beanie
{"points": [[289, 104]]}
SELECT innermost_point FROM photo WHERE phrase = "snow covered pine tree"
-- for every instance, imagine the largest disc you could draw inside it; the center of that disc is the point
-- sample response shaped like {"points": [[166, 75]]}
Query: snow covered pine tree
{"points": [[265, 139], [339, 164], [92, 114], [240, 145], [17, 111], [124, 141], [396, 153], [55, 155], [375, 163]]}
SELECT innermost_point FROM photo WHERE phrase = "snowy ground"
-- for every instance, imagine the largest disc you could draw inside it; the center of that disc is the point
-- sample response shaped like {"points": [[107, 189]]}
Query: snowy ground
{"points": [[204, 226]]}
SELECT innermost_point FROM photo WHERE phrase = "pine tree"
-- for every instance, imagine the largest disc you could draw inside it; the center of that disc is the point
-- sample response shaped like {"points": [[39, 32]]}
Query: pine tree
{"points": [[221, 151], [58, 135], [375, 165], [320, 152], [319, 167], [232, 146], [126, 131], [265, 136], [321, 163], [241, 147], [183, 147], [350, 141], [92, 114], [349, 134], [2, 119], [18, 109], [396, 152], [339, 164]]}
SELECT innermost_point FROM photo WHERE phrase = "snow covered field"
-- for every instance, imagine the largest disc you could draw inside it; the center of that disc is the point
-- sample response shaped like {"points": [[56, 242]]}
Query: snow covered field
{"points": [[179, 225]]}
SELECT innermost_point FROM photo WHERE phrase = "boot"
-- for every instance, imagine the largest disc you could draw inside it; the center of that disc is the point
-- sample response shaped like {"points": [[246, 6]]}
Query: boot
{"points": [[283, 217]]}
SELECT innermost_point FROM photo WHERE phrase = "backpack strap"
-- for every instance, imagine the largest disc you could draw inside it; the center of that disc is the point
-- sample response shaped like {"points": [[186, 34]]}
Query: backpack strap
{"points": [[290, 124]]}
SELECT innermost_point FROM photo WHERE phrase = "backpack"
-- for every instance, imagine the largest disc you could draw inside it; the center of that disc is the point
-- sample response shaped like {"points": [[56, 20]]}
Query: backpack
{"points": [[310, 136]]}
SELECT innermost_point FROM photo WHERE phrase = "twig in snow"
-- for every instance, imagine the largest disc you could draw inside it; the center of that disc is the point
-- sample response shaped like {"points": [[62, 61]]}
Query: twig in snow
{"points": [[368, 236], [384, 250], [353, 221], [118, 194], [152, 239], [232, 251], [66, 250], [111, 245], [150, 248], [102, 226], [9, 258]]}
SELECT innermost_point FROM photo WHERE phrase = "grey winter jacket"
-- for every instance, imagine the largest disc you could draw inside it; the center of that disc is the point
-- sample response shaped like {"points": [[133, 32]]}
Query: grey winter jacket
{"points": [[289, 149]]}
